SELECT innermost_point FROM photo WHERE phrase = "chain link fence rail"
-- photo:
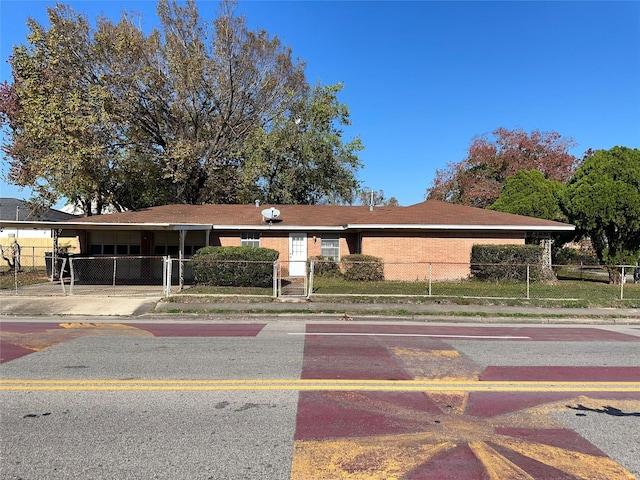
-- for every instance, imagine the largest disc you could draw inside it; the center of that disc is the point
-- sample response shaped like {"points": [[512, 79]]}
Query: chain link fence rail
{"points": [[227, 277], [32, 259], [556, 282], [139, 275], [84, 275], [115, 275]]}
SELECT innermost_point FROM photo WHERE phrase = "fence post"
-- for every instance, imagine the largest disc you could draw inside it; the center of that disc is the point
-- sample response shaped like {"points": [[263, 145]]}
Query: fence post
{"points": [[170, 272], [311, 270], [15, 278], [622, 284], [166, 276], [275, 279], [72, 274], [181, 272], [527, 281], [430, 275]]}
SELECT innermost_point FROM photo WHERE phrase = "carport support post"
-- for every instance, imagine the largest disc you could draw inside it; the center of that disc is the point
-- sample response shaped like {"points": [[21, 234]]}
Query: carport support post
{"points": [[183, 234]]}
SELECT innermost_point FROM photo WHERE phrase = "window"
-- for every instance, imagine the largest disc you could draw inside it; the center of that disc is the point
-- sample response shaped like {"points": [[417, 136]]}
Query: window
{"points": [[114, 243], [330, 246], [250, 239]]}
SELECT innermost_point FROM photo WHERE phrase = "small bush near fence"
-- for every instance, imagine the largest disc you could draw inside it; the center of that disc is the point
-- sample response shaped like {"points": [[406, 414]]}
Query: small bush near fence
{"points": [[325, 266], [506, 262], [234, 266], [362, 268]]}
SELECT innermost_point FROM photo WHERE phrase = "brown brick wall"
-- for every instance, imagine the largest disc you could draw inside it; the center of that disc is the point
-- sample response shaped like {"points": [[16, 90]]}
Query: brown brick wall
{"points": [[407, 256], [280, 241], [448, 253]]}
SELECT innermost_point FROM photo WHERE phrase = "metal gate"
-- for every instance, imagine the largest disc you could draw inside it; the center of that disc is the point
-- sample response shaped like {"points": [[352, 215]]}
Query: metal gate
{"points": [[288, 285]]}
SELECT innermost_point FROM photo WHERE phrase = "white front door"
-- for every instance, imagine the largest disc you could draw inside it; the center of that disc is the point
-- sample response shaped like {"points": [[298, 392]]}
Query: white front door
{"points": [[297, 254]]}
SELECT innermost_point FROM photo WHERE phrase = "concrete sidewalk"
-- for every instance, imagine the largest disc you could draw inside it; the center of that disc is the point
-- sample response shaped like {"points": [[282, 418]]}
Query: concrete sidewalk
{"points": [[411, 311], [135, 306]]}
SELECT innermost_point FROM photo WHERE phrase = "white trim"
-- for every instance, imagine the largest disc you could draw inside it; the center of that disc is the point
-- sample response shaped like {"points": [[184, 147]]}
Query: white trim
{"points": [[83, 225], [462, 227], [287, 228], [191, 226]]}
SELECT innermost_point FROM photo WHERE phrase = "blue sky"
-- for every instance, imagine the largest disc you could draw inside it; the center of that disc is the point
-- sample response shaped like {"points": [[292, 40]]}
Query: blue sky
{"points": [[422, 78]]}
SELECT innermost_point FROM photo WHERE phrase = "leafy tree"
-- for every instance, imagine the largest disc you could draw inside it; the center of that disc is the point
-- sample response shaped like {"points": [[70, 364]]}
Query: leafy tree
{"points": [[478, 179], [59, 144], [367, 196], [111, 115], [300, 157], [529, 193], [603, 200]]}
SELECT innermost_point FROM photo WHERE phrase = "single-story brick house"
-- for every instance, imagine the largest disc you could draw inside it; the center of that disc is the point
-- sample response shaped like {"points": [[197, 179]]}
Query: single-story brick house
{"points": [[428, 232]]}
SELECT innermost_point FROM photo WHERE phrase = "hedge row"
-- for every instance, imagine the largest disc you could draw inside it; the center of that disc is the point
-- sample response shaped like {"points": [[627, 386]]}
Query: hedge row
{"points": [[234, 266], [506, 262], [355, 267]]}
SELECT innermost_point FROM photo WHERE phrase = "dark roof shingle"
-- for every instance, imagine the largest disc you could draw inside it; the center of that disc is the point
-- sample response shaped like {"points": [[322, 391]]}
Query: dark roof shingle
{"points": [[13, 209], [431, 213]]}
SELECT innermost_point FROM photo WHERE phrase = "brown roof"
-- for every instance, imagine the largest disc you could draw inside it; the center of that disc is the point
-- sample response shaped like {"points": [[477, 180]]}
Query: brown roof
{"points": [[428, 214]]}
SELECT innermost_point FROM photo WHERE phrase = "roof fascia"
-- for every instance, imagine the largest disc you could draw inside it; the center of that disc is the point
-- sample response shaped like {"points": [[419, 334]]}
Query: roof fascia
{"points": [[84, 225], [192, 226], [279, 227], [542, 228]]}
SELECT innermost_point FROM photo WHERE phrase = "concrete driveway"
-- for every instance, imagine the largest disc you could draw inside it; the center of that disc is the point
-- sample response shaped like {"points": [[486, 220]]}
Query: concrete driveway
{"points": [[77, 305]]}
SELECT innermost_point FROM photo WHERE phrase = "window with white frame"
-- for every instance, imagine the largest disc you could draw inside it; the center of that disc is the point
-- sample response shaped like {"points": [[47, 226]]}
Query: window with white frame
{"points": [[330, 246], [250, 239]]}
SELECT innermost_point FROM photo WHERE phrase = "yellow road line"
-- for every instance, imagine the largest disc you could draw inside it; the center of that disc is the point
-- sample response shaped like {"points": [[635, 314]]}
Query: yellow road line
{"points": [[313, 385]]}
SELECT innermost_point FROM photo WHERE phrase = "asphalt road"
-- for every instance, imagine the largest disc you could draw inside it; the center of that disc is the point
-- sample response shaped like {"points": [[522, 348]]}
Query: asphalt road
{"points": [[135, 399]]}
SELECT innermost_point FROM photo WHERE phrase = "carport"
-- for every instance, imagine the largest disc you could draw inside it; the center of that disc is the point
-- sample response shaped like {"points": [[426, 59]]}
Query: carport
{"points": [[81, 230]]}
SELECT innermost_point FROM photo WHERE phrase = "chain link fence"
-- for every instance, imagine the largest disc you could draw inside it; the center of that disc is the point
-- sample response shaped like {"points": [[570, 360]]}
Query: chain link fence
{"points": [[31, 259], [64, 274], [147, 275], [433, 279]]}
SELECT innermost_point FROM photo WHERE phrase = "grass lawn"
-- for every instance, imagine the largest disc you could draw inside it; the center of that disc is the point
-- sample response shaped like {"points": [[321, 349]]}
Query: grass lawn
{"points": [[235, 291], [570, 293], [8, 279], [593, 292]]}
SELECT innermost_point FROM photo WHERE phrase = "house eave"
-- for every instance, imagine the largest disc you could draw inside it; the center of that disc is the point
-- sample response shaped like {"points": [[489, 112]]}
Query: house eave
{"points": [[84, 225], [535, 228], [279, 227]]}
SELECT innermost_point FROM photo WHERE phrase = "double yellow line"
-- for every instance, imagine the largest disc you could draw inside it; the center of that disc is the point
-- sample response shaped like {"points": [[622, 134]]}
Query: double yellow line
{"points": [[312, 385]]}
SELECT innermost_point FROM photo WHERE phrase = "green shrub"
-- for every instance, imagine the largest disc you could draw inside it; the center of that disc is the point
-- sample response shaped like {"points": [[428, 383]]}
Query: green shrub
{"points": [[325, 266], [506, 262], [573, 256], [234, 266], [362, 268]]}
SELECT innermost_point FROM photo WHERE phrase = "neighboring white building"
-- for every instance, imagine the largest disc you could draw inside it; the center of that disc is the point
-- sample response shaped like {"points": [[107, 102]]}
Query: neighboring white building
{"points": [[34, 242]]}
